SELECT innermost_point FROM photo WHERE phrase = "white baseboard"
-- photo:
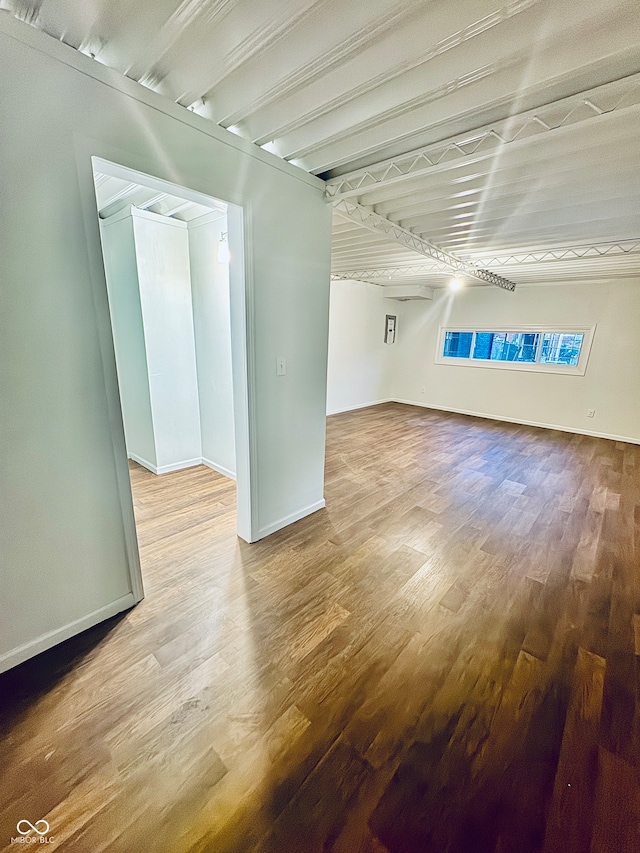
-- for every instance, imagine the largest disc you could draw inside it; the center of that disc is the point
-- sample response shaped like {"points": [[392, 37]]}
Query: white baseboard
{"points": [[361, 406], [289, 519], [144, 462], [226, 472], [46, 641], [541, 425], [178, 466]]}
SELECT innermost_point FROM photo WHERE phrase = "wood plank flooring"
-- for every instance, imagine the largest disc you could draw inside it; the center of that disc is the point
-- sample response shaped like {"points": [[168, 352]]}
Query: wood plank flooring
{"points": [[444, 659]]}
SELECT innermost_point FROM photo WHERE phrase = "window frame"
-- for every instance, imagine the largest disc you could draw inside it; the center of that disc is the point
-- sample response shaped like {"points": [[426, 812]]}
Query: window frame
{"points": [[526, 328]]}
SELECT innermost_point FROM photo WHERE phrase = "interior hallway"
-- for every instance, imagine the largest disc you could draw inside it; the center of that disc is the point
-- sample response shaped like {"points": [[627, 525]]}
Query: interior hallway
{"points": [[442, 660]]}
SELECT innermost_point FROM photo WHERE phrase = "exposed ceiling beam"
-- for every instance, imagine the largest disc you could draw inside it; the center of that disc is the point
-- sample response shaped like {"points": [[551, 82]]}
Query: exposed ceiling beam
{"points": [[182, 205], [315, 68], [514, 195], [589, 106], [386, 273], [378, 224], [408, 63], [567, 253], [125, 192], [153, 200]]}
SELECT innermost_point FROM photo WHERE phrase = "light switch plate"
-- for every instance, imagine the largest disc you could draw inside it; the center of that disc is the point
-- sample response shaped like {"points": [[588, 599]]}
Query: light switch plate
{"points": [[281, 365]]}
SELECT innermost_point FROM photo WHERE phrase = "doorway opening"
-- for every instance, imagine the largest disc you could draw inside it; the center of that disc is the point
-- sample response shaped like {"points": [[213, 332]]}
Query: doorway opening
{"points": [[167, 262]]}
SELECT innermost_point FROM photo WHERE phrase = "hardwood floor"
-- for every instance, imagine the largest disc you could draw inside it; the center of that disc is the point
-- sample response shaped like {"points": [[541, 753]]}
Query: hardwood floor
{"points": [[445, 659]]}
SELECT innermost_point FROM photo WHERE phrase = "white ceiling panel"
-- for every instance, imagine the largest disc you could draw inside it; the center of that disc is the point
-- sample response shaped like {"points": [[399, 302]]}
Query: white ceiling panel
{"points": [[503, 133], [115, 194]]}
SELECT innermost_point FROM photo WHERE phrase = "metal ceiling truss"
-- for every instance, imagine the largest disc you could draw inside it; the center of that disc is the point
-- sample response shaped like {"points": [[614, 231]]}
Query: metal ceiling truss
{"points": [[388, 273], [600, 250], [571, 253], [378, 224], [578, 109]]}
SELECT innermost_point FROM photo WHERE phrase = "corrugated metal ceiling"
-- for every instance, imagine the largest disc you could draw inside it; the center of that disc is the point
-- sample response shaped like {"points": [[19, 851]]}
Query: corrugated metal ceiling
{"points": [[502, 132]]}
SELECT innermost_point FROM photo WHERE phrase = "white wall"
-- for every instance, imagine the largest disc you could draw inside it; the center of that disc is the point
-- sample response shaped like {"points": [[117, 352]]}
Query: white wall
{"points": [[291, 268], [149, 285], [170, 311], [212, 324], [610, 385], [128, 336], [68, 547], [162, 258], [360, 363], [362, 370]]}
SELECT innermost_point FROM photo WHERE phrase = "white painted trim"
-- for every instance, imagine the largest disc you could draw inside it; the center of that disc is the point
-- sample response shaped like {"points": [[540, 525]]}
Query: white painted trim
{"points": [[137, 213], [104, 331], [125, 213], [226, 472], [244, 370], [144, 462], [60, 52], [574, 430], [178, 466], [289, 519], [361, 406], [46, 641]]}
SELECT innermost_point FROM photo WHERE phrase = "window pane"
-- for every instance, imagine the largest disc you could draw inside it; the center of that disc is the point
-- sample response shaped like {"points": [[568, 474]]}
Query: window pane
{"points": [[457, 344], [506, 346], [561, 348], [484, 342]]}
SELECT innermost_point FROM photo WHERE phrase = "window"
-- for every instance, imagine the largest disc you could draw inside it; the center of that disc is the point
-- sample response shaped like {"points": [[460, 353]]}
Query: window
{"points": [[457, 344], [561, 349], [548, 349], [506, 346]]}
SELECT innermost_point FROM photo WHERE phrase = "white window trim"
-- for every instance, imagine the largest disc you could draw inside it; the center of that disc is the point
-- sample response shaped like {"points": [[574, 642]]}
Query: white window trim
{"points": [[534, 367]]}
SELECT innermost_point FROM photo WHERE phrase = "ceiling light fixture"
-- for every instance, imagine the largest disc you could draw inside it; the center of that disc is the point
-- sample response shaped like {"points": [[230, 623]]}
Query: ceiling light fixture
{"points": [[455, 283]]}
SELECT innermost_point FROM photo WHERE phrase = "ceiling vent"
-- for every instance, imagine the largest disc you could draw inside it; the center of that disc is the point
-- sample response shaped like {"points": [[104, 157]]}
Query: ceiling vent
{"points": [[405, 292]]}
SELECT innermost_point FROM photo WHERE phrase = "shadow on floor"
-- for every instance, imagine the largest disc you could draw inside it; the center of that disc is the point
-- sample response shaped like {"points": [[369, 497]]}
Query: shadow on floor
{"points": [[26, 683]]}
